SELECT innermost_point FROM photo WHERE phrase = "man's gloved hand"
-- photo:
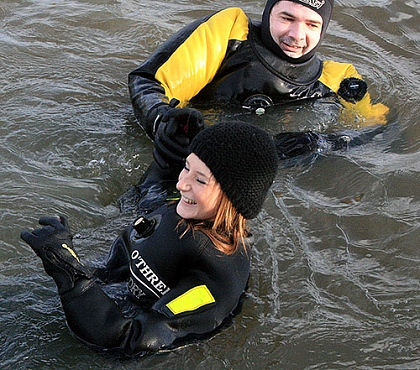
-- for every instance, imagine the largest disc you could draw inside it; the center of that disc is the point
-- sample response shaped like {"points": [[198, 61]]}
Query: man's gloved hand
{"points": [[177, 128], [293, 144], [53, 244], [352, 89]]}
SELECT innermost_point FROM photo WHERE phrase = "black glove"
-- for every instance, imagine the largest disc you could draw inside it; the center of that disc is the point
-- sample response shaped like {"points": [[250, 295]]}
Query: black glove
{"points": [[293, 144], [352, 89], [174, 134], [53, 244]]}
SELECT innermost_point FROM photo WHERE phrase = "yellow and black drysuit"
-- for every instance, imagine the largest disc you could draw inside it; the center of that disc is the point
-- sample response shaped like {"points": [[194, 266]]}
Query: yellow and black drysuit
{"points": [[222, 58]]}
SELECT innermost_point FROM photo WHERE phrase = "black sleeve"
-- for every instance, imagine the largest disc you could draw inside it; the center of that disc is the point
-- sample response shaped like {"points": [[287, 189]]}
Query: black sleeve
{"points": [[98, 321]]}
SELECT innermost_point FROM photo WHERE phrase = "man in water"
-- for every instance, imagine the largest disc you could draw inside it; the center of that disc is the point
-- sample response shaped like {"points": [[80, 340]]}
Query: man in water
{"points": [[229, 60]]}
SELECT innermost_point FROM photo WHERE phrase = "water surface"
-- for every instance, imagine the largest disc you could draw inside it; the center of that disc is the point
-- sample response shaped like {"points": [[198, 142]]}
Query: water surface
{"points": [[335, 269]]}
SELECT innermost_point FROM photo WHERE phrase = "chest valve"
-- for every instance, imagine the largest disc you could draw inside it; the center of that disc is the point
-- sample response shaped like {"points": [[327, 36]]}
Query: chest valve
{"points": [[143, 226]]}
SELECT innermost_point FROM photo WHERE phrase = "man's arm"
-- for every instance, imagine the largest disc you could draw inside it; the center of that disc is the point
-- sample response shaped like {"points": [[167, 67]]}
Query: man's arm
{"points": [[352, 91], [183, 65], [295, 144]]}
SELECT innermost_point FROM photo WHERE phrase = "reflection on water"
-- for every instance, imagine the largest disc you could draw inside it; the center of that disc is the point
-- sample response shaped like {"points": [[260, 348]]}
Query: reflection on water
{"points": [[335, 276]]}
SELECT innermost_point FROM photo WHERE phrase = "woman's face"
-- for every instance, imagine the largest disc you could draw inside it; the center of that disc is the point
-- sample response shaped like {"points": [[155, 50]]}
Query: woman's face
{"points": [[200, 192]]}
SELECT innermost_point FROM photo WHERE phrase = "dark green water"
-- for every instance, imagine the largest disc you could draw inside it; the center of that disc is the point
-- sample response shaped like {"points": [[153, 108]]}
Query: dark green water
{"points": [[335, 270]]}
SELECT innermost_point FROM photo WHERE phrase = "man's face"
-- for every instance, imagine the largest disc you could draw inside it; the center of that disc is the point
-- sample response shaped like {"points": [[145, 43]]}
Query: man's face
{"points": [[295, 28]]}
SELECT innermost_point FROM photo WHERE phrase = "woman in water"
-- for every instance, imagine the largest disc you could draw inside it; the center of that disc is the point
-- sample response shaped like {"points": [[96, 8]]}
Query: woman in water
{"points": [[186, 264]]}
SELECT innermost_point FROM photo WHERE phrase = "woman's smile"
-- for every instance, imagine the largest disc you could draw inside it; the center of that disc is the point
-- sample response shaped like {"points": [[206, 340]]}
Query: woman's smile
{"points": [[187, 200], [200, 192]]}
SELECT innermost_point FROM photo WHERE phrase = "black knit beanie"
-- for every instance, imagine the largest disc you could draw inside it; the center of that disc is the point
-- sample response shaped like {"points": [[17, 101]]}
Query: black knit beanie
{"points": [[323, 7], [244, 161]]}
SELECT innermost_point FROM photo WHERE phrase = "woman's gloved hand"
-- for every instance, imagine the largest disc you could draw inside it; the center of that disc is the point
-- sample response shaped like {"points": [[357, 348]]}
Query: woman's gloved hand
{"points": [[53, 244], [177, 128]]}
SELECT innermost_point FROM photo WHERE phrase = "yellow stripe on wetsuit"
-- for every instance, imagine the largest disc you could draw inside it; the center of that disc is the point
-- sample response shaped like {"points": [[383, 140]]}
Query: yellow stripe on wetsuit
{"points": [[195, 63], [191, 300]]}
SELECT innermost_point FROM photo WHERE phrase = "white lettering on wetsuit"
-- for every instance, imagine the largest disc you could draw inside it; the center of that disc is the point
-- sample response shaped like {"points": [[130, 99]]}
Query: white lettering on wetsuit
{"points": [[155, 286], [134, 289]]}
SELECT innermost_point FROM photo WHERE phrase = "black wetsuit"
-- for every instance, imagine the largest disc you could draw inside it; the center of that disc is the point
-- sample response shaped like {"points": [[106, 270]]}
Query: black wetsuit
{"points": [[193, 287]]}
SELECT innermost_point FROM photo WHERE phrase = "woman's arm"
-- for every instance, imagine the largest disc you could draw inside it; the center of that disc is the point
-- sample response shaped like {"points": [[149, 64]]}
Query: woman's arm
{"points": [[97, 320], [192, 308]]}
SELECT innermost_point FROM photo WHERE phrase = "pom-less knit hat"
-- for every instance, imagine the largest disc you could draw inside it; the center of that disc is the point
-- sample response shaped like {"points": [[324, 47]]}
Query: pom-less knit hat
{"points": [[244, 161], [323, 7]]}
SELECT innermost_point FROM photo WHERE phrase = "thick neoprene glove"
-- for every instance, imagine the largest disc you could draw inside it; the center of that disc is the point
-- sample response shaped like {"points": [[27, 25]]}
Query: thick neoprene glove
{"points": [[352, 89], [293, 144], [174, 134], [53, 244]]}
